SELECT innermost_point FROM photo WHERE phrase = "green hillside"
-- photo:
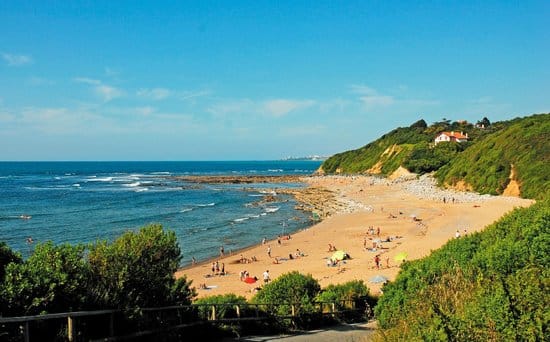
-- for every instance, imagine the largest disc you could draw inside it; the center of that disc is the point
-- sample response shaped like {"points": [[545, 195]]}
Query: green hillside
{"points": [[487, 164], [488, 286], [483, 164], [384, 155]]}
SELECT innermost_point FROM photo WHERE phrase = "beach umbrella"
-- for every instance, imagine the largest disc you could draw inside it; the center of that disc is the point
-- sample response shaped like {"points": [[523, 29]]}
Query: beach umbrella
{"points": [[378, 279], [249, 280], [338, 255], [400, 256]]}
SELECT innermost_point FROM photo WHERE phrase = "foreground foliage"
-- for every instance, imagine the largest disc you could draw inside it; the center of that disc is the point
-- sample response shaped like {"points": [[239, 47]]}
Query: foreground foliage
{"points": [[135, 270], [493, 285]]}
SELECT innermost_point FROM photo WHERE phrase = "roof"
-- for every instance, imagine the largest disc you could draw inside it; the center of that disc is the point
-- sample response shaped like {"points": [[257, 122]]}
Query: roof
{"points": [[456, 135]]}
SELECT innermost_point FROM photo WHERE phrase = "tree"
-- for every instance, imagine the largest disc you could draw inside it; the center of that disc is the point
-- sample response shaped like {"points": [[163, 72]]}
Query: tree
{"points": [[289, 289], [136, 270], [420, 124], [7, 255], [53, 279]]}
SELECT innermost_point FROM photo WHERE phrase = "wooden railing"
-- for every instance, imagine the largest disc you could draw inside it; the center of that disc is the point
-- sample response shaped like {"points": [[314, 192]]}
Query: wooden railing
{"points": [[157, 320]]}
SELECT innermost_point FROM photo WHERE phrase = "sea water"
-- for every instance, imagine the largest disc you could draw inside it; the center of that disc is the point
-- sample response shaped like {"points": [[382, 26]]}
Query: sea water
{"points": [[82, 202]]}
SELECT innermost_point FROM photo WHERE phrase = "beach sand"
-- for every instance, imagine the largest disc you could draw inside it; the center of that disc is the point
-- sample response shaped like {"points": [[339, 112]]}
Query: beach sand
{"points": [[422, 223]]}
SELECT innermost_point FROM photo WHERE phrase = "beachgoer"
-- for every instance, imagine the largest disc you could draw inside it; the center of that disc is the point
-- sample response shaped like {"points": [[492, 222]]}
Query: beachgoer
{"points": [[30, 240], [264, 241], [221, 251], [457, 234], [377, 261], [223, 269], [387, 262], [217, 267], [378, 231], [269, 251], [279, 240], [298, 253], [465, 232], [193, 261], [266, 277], [213, 267]]}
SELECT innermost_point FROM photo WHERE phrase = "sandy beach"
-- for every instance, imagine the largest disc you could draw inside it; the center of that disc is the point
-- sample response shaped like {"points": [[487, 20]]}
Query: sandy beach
{"points": [[412, 216]]}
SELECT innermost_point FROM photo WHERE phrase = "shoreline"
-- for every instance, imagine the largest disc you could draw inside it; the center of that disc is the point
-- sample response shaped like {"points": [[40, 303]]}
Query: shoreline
{"points": [[410, 209]]}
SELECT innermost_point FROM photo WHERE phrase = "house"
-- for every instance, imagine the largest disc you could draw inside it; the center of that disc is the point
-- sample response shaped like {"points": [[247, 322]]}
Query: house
{"points": [[451, 136]]}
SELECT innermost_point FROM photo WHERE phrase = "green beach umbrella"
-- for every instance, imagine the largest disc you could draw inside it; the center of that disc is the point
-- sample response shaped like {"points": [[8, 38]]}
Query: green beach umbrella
{"points": [[400, 256], [338, 255]]}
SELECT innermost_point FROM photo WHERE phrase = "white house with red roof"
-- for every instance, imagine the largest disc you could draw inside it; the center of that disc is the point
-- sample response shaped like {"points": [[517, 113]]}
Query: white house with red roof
{"points": [[451, 136]]}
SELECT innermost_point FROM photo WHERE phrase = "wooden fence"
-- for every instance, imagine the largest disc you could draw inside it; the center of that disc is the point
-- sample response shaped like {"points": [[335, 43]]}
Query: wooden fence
{"points": [[101, 325]]}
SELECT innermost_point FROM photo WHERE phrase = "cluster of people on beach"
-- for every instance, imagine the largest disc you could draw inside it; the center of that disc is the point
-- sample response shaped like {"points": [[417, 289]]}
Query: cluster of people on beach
{"points": [[216, 270], [378, 261]]}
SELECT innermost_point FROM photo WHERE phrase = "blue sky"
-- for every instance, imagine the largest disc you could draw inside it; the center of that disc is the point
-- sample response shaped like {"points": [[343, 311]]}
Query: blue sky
{"points": [[230, 80]]}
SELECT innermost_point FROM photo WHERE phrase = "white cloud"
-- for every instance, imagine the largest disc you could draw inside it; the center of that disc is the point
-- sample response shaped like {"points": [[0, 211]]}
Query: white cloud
{"points": [[16, 60], [145, 111], [370, 97], [39, 81], [280, 107], [186, 95], [87, 80], [154, 93], [105, 92]]}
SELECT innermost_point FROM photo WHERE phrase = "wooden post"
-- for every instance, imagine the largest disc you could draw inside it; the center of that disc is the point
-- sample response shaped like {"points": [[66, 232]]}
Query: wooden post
{"points": [[293, 310], [70, 329], [238, 309], [332, 308], [213, 312], [26, 332], [257, 311], [112, 324]]}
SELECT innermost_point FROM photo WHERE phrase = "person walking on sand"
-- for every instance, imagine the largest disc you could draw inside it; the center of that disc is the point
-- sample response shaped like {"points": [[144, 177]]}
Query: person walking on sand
{"points": [[269, 251], [266, 277], [221, 252], [457, 234], [377, 261]]}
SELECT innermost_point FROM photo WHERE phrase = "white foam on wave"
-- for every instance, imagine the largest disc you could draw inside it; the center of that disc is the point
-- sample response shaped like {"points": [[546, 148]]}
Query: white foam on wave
{"points": [[206, 205], [132, 185], [101, 179], [76, 185], [275, 170], [256, 195], [184, 210], [161, 173], [271, 209], [241, 219], [141, 189]]}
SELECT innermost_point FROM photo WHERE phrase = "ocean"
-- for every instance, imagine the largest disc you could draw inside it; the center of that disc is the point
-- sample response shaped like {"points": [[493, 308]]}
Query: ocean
{"points": [[82, 202]]}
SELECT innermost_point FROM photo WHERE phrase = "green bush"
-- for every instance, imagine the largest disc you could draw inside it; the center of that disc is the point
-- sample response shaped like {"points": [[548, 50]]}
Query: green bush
{"points": [[223, 309], [493, 285], [135, 270], [291, 289], [52, 279]]}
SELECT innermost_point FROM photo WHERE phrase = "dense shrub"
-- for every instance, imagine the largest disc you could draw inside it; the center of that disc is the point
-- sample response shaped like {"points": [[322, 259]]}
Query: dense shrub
{"points": [[52, 279], [136, 270], [493, 285]]}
